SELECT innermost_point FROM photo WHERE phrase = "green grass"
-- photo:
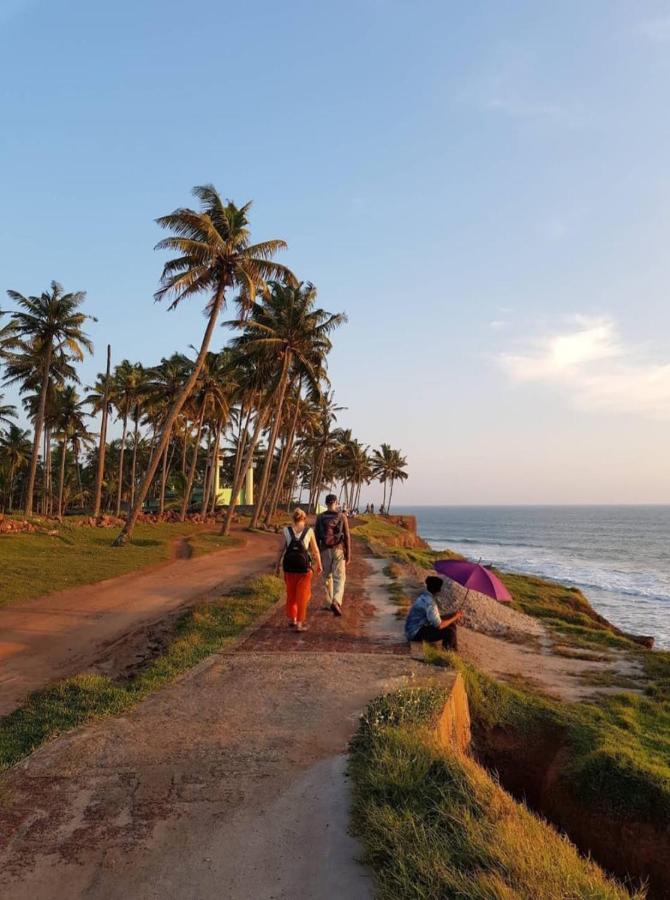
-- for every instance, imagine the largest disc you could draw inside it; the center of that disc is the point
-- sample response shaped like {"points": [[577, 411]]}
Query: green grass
{"points": [[203, 542], [36, 564], [434, 824], [618, 757], [75, 701], [564, 609], [385, 539]]}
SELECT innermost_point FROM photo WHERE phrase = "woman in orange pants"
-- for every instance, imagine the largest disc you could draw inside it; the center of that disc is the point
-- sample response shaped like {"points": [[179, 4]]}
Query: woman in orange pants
{"points": [[299, 554]]}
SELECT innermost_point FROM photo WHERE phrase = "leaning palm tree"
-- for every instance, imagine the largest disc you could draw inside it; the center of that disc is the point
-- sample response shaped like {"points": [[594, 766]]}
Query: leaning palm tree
{"points": [[287, 326], [214, 255], [52, 323]]}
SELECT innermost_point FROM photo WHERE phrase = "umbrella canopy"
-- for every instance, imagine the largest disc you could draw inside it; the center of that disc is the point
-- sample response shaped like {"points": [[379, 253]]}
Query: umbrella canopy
{"points": [[474, 577]]}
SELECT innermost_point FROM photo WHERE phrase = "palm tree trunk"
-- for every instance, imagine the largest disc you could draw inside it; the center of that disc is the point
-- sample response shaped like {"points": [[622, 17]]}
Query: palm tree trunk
{"points": [[262, 416], [103, 439], [11, 487], [61, 483], [242, 439], [209, 487], [37, 438], [388, 508], [123, 450], [272, 440], [44, 501], [127, 530], [133, 467], [194, 465], [161, 508], [296, 475], [283, 464]]}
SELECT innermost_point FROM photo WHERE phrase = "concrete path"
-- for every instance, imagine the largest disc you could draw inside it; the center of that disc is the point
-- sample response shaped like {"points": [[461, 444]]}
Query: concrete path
{"points": [[227, 784], [72, 631]]}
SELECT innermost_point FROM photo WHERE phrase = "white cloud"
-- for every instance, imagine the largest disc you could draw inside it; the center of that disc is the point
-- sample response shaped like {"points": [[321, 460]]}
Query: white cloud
{"points": [[595, 369], [656, 30]]}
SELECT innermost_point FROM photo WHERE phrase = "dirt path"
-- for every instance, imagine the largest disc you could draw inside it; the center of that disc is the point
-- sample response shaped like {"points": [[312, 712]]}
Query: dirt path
{"points": [[105, 625], [228, 783]]}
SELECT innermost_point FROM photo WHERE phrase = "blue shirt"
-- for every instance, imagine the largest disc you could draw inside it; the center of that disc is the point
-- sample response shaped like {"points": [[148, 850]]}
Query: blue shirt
{"points": [[424, 611]]}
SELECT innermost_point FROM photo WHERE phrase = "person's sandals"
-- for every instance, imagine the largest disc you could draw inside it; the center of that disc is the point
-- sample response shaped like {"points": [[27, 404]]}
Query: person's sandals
{"points": [[292, 624], [300, 627], [336, 609]]}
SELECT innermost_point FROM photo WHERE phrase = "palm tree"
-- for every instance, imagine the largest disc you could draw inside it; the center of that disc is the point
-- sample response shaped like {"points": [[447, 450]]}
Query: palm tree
{"points": [[164, 385], [286, 326], [382, 463], [126, 383], [53, 323], [70, 425], [99, 399], [209, 398], [396, 472], [7, 411], [24, 366], [15, 451], [214, 255], [140, 397]]}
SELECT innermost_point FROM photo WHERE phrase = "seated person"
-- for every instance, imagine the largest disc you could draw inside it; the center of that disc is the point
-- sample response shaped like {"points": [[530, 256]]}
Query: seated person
{"points": [[424, 622]]}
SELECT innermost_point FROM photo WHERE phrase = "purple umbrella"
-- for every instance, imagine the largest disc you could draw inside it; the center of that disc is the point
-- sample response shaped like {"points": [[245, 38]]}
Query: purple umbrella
{"points": [[474, 577]]}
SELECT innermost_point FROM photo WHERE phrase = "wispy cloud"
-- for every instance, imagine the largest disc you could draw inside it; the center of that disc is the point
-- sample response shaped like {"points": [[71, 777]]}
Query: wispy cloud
{"points": [[512, 87], [591, 364], [656, 30]]}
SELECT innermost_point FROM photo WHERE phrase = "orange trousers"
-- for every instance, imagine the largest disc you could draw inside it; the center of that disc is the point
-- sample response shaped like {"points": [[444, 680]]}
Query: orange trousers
{"points": [[298, 594]]}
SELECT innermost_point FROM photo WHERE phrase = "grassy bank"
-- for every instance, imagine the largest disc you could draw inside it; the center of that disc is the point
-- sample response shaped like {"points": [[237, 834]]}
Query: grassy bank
{"points": [[75, 701], [38, 563], [564, 610], [616, 753], [387, 539], [434, 824]]}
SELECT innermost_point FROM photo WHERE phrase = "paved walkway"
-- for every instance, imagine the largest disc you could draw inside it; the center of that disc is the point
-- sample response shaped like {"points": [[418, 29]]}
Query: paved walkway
{"points": [[228, 783], [105, 625]]}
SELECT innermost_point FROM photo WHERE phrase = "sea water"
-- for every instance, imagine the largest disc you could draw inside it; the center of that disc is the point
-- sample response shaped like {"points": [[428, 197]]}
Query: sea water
{"points": [[618, 555]]}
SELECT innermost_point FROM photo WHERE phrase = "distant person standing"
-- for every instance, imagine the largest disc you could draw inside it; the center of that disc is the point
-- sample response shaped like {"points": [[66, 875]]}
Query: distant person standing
{"points": [[424, 621], [298, 556], [334, 541]]}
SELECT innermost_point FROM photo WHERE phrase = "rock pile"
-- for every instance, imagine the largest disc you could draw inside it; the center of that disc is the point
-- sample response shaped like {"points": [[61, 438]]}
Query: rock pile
{"points": [[481, 613], [15, 526]]}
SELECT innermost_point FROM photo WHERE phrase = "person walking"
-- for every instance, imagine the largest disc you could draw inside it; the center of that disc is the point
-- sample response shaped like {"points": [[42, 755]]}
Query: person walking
{"points": [[334, 541], [424, 621], [298, 556]]}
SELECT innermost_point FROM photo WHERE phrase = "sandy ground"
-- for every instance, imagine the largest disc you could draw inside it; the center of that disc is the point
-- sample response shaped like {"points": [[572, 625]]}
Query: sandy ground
{"points": [[103, 626]]}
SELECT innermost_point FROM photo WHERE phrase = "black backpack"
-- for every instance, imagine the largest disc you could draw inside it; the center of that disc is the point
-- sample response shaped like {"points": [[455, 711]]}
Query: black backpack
{"points": [[331, 530], [296, 556]]}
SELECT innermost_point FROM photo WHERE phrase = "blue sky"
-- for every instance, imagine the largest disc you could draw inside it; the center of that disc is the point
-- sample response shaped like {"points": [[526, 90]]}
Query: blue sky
{"points": [[483, 187]]}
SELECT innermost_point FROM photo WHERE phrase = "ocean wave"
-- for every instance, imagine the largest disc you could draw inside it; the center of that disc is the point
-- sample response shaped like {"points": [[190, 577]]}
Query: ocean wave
{"points": [[652, 586]]}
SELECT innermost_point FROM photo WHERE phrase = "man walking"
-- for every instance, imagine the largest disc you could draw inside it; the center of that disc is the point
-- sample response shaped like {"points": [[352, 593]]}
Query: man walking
{"points": [[334, 541]]}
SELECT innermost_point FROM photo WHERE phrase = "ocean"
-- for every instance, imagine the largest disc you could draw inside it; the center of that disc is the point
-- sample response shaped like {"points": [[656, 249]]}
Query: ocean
{"points": [[618, 555]]}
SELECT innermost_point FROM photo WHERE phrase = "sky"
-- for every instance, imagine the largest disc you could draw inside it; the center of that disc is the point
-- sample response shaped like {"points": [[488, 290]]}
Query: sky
{"points": [[482, 187]]}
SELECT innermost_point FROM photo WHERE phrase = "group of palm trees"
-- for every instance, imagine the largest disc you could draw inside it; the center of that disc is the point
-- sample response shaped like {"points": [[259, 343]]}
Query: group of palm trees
{"points": [[263, 401]]}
